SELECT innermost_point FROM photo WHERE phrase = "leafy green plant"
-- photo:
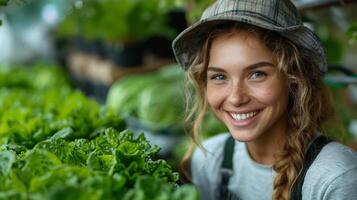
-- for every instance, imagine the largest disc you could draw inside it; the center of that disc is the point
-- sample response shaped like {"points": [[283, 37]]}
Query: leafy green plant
{"points": [[112, 165], [123, 94], [28, 118], [55, 144], [36, 77], [36, 102], [156, 98]]}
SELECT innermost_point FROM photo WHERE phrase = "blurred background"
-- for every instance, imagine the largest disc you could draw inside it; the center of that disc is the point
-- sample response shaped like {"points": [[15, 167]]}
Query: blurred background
{"points": [[116, 54]]}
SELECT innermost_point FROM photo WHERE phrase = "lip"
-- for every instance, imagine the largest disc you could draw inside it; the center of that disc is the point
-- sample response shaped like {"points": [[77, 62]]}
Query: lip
{"points": [[244, 123]]}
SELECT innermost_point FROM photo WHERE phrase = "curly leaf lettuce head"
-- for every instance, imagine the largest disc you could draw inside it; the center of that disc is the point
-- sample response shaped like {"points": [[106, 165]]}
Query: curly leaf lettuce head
{"points": [[162, 105], [123, 95]]}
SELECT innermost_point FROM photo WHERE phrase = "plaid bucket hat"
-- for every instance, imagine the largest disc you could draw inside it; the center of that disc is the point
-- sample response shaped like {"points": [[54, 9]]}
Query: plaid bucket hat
{"points": [[280, 16]]}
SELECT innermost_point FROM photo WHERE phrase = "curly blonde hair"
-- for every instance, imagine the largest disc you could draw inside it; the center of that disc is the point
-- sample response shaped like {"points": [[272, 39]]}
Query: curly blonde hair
{"points": [[309, 100]]}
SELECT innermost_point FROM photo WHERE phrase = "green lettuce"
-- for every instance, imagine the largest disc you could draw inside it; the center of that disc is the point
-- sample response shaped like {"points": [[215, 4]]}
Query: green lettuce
{"points": [[112, 165]]}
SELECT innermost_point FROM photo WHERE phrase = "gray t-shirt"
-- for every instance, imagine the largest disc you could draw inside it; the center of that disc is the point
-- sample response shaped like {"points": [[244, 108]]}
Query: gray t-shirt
{"points": [[333, 174]]}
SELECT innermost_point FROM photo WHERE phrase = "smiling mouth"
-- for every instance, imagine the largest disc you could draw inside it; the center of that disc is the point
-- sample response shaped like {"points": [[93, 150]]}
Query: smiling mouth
{"points": [[244, 116]]}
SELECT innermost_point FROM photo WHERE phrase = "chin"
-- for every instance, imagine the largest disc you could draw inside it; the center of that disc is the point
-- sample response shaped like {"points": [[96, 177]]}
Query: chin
{"points": [[243, 136]]}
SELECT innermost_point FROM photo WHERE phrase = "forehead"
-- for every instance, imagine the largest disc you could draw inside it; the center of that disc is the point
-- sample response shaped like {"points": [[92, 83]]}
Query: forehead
{"points": [[238, 48], [249, 37]]}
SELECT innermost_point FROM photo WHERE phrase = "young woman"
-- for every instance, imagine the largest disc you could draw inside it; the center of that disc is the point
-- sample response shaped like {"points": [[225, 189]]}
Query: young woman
{"points": [[259, 69]]}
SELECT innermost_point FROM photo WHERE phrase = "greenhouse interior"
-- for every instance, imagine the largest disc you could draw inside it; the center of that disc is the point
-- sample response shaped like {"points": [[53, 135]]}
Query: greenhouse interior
{"points": [[92, 100]]}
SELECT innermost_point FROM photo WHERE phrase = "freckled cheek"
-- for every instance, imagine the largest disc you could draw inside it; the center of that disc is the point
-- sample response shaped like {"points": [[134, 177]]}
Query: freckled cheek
{"points": [[269, 96], [215, 96]]}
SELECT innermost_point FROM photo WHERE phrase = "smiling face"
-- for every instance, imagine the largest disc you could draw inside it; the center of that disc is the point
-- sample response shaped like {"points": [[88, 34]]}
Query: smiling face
{"points": [[245, 89]]}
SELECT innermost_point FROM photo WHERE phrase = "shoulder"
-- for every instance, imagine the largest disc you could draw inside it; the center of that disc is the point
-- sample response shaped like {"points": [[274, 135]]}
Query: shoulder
{"points": [[333, 174], [213, 149], [338, 157], [205, 165]]}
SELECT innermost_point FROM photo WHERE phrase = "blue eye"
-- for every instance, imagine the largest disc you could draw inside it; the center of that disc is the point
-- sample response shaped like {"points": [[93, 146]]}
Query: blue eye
{"points": [[217, 77], [257, 75]]}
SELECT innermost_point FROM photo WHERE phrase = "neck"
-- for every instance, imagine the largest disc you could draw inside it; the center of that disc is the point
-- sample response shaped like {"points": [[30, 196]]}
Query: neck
{"points": [[263, 150]]}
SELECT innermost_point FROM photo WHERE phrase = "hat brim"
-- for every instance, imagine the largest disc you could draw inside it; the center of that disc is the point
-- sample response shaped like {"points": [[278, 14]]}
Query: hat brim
{"points": [[187, 44]]}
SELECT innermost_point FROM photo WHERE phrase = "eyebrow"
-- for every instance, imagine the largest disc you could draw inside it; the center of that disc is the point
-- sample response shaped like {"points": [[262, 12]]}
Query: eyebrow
{"points": [[249, 67], [260, 64]]}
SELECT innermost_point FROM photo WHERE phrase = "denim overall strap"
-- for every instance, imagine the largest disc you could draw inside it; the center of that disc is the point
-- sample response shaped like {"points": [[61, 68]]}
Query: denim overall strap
{"points": [[309, 158], [227, 171]]}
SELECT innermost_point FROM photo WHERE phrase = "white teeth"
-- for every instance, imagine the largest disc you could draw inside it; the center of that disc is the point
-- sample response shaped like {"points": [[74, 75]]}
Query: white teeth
{"points": [[243, 116]]}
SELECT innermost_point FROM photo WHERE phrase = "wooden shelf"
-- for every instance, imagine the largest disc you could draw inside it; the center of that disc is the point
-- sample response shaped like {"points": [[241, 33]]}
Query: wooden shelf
{"points": [[103, 71]]}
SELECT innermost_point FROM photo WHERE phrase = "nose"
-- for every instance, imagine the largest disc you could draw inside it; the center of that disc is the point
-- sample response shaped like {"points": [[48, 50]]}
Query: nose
{"points": [[238, 95]]}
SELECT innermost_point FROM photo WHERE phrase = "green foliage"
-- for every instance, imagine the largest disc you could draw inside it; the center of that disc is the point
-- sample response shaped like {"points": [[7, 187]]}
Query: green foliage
{"points": [[155, 98], [3, 3], [37, 77], [194, 8], [198, 7], [124, 20], [55, 144], [27, 118], [162, 103], [147, 187], [212, 126], [112, 165], [122, 97], [337, 127], [332, 44], [352, 32], [38, 102]]}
